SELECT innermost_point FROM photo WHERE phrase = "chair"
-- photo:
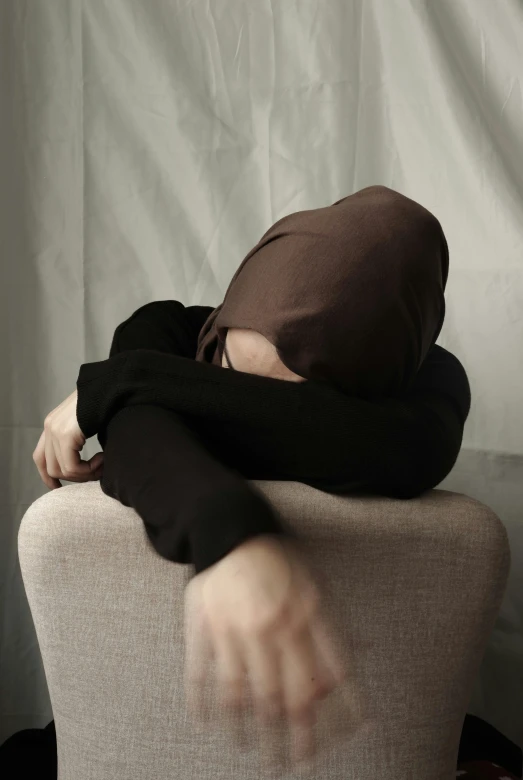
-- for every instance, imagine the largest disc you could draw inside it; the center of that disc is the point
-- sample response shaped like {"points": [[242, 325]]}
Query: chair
{"points": [[414, 588]]}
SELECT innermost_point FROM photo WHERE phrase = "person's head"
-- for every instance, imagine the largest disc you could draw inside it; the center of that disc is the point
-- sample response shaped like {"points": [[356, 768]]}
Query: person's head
{"points": [[350, 294]]}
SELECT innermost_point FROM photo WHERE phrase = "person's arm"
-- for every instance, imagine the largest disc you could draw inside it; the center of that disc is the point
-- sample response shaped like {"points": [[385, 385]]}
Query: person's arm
{"points": [[309, 432], [194, 508]]}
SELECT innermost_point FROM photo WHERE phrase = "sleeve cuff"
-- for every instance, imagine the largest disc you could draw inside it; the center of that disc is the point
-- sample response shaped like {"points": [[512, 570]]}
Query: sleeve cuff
{"points": [[233, 517], [96, 392]]}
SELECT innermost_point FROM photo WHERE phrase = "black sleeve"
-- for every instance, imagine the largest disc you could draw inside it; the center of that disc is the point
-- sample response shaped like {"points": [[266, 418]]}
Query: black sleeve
{"points": [[308, 432], [194, 508]]}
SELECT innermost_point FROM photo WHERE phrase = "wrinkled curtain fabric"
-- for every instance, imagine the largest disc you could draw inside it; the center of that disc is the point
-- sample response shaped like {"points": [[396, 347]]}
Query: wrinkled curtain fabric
{"points": [[146, 147]]}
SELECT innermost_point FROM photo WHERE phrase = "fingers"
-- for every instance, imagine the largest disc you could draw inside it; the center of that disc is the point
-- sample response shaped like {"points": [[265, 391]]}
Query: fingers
{"points": [[328, 655], [231, 683], [230, 671], [73, 467], [288, 663], [303, 686], [335, 672], [51, 461], [40, 461], [198, 654], [263, 665], [265, 680], [57, 454], [54, 463], [96, 462]]}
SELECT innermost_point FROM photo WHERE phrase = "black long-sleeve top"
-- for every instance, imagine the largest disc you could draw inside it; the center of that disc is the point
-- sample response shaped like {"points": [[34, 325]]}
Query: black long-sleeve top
{"points": [[181, 437]]}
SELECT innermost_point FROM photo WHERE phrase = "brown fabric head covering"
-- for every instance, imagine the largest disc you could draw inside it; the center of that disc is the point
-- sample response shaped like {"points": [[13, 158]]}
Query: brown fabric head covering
{"points": [[350, 294]]}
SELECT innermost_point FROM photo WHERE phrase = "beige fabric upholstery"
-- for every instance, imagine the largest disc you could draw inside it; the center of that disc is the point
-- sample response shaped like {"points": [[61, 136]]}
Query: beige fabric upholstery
{"points": [[414, 586]]}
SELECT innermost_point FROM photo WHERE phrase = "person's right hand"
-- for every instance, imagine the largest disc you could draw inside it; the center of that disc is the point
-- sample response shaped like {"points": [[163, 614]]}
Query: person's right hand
{"points": [[57, 454], [257, 613]]}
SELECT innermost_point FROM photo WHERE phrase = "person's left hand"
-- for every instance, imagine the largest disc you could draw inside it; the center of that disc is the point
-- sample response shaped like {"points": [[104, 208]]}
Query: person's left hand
{"points": [[57, 454], [256, 614]]}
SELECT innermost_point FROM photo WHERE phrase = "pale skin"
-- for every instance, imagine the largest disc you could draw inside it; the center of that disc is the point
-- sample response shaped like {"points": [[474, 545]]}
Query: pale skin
{"points": [[256, 612]]}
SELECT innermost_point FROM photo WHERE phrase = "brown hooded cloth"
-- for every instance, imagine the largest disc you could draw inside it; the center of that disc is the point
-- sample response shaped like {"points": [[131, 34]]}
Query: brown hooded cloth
{"points": [[351, 294]]}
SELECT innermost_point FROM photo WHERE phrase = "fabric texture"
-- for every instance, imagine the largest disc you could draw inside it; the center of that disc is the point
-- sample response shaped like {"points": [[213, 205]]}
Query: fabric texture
{"points": [[350, 294], [412, 588], [199, 429]]}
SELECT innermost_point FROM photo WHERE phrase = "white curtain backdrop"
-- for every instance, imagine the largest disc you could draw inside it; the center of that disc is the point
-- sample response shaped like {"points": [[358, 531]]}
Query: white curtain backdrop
{"points": [[145, 146]]}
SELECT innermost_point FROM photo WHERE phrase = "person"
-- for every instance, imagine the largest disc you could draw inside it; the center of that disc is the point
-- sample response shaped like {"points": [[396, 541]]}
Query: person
{"points": [[328, 329]]}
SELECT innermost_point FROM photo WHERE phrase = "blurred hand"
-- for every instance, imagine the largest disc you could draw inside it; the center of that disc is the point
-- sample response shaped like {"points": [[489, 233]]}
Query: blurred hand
{"points": [[57, 454], [256, 613]]}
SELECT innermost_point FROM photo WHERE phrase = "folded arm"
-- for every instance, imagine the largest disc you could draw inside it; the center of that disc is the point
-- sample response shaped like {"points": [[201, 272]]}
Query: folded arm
{"points": [[309, 432]]}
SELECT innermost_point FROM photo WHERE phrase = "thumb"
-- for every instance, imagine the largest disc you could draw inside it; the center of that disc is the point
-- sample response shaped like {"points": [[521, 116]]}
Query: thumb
{"points": [[96, 461]]}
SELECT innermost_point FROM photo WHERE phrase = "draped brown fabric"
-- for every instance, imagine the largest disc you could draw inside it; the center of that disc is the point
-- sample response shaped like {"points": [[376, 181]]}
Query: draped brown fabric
{"points": [[351, 294]]}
